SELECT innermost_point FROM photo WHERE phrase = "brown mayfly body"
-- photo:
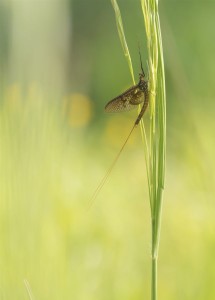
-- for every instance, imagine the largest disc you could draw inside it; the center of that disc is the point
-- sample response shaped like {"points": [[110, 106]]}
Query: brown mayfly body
{"points": [[132, 97], [126, 101]]}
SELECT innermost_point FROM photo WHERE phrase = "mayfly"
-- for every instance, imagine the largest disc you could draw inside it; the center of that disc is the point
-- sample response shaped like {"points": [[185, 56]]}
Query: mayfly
{"points": [[126, 101]]}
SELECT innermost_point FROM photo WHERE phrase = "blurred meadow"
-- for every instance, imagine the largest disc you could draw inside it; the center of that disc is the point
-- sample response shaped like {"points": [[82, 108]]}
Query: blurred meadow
{"points": [[60, 62]]}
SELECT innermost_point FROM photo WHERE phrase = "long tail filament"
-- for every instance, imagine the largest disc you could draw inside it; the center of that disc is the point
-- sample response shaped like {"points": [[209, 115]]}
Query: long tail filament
{"points": [[104, 179]]}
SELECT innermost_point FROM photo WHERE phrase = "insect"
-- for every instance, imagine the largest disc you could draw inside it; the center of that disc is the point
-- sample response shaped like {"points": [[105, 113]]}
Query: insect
{"points": [[126, 101], [131, 98]]}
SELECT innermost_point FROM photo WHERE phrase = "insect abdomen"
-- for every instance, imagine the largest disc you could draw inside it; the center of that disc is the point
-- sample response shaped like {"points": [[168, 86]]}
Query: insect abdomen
{"points": [[144, 107]]}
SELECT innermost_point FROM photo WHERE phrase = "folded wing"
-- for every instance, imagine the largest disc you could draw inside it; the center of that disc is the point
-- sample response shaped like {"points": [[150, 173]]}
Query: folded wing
{"points": [[126, 101]]}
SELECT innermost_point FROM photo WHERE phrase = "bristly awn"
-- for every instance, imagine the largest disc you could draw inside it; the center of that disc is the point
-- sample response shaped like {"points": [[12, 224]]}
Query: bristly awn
{"points": [[126, 101]]}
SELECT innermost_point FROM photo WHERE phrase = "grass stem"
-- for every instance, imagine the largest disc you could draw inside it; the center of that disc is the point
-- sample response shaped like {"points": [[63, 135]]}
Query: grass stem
{"points": [[154, 279], [155, 148], [157, 144]]}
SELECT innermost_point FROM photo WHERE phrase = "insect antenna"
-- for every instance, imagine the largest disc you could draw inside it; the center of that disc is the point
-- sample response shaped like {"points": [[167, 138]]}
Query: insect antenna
{"points": [[141, 64], [104, 179]]}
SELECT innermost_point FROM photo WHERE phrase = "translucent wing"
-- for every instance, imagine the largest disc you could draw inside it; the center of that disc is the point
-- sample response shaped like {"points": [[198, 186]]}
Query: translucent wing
{"points": [[126, 101], [118, 105]]}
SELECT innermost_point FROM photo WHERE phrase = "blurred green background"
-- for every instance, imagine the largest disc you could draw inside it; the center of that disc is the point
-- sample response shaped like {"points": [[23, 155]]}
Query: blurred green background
{"points": [[60, 62]]}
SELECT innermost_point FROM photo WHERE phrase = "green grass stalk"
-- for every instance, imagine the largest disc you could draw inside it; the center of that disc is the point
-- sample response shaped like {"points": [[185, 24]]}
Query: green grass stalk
{"points": [[28, 289], [157, 144], [155, 148], [122, 37]]}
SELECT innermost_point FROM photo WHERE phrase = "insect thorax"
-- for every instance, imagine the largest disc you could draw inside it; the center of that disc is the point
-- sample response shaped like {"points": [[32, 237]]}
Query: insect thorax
{"points": [[143, 84]]}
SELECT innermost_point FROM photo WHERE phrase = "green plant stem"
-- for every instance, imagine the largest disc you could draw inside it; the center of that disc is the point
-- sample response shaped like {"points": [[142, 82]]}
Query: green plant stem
{"points": [[154, 150], [154, 279], [157, 135], [122, 37]]}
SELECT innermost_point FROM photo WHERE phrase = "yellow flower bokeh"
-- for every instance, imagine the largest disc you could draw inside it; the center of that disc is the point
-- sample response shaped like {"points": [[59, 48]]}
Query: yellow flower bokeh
{"points": [[78, 109]]}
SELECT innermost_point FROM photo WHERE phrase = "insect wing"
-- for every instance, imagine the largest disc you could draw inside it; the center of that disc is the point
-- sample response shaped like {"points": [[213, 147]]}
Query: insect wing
{"points": [[138, 97], [125, 101], [119, 104]]}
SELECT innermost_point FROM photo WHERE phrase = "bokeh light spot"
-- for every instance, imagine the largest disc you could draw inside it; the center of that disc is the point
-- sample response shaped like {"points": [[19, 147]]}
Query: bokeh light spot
{"points": [[13, 96], [78, 110]]}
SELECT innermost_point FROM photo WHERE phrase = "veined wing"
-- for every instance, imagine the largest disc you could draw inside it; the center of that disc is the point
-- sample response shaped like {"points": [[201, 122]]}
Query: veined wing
{"points": [[126, 101]]}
